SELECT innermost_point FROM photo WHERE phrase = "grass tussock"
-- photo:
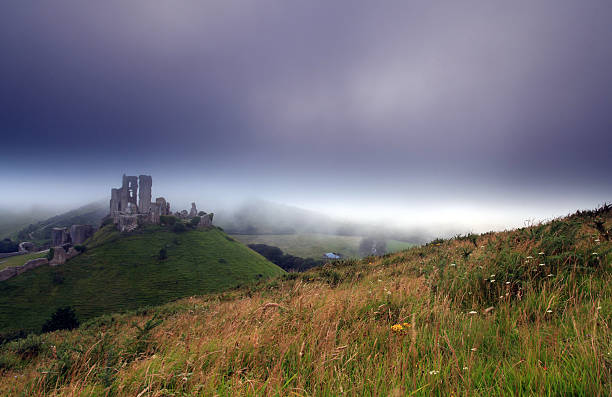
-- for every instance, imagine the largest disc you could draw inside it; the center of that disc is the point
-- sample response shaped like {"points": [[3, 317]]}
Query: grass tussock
{"points": [[521, 312]]}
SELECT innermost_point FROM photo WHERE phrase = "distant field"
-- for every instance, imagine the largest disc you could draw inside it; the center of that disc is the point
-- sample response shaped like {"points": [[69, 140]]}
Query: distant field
{"points": [[306, 245], [315, 245], [20, 259], [396, 245]]}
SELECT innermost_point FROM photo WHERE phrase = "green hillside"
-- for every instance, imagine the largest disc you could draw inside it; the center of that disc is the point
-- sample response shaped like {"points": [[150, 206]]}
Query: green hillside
{"points": [[120, 272]]}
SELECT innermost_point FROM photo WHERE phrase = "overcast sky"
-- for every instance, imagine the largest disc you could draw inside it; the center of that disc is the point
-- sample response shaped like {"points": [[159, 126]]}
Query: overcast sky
{"points": [[476, 113]]}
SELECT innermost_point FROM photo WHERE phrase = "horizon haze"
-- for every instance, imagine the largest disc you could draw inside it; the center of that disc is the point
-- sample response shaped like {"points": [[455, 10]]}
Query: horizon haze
{"points": [[445, 116]]}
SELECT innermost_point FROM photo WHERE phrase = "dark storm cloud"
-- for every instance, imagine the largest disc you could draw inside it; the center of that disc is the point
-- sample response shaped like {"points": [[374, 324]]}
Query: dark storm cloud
{"points": [[441, 95]]}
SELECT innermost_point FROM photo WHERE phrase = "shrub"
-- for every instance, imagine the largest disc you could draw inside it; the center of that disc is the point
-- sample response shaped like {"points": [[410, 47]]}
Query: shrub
{"points": [[7, 245], [51, 253], [63, 318], [179, 227], [163, 254], [106, 222], [195, 221], [80, 248], [168, 220]]}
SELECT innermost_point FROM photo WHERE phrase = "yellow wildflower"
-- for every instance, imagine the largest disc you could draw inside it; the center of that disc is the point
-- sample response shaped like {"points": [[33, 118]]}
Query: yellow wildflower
{"points": [[401, 329]]}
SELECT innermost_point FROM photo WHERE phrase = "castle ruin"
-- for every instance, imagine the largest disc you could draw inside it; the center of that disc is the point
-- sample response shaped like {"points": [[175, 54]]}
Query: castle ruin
{"points": [[131, 205]]}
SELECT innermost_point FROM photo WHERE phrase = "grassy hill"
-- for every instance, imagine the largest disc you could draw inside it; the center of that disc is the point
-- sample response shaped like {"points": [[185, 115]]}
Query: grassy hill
{"points": [[120, 272], [521, 312]]}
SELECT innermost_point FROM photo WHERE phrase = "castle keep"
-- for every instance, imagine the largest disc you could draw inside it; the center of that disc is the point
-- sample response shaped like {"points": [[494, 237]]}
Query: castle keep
{"points": [[131, 205]]}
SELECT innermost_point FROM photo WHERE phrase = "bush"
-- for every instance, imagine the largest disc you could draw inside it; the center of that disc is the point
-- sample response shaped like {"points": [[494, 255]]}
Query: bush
{"points": [[7, 245], [168, 220], [163, 254], [179, 228], [195, 221], [107, 221], [80, 248], [63, 318], [51, 253]]}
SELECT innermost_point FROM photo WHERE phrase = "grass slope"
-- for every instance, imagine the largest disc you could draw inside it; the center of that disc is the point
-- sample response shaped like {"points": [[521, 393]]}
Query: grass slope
{"points": [[484, 315], [124, 272]]}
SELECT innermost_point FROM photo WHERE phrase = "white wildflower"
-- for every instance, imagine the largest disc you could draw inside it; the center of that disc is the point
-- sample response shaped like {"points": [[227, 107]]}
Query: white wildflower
{"points": [[434, 372], [548, 311], [473, 312], [507, 282], [541, 253], [542, 264], [550, 275]]}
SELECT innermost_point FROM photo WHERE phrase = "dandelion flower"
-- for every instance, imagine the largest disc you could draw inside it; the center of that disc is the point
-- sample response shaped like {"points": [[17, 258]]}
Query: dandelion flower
{"points": [[473, 312], [401, 329], [406, 325]]}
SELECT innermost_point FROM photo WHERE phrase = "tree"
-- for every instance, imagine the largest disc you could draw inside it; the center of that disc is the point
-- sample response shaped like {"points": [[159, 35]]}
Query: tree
{"points": [[7, 245], [63, 318]]}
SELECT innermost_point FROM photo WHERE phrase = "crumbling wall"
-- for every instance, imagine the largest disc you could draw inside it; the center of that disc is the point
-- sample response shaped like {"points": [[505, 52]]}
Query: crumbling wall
{"points": [[13, 271], [80, 233], [194, 211], [206, 220], [129, 191], [144, 193], [59, 236]]}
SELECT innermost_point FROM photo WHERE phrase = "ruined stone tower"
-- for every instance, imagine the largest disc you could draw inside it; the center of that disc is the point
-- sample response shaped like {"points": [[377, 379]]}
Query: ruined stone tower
{"points": [[131, 204]]}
